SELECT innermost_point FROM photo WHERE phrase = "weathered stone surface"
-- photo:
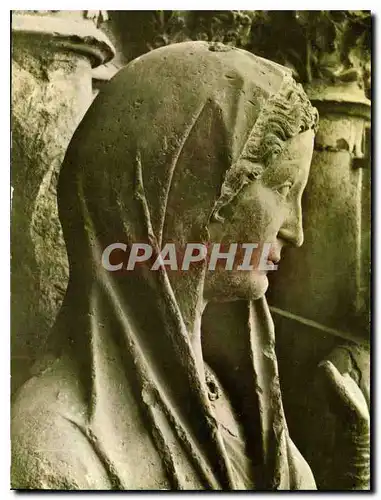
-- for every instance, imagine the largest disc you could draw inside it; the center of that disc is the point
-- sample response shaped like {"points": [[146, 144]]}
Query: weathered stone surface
{"points": [[52, 56], [331, 256], [137, 388], [141, 31], [330, 53], [137, 385], [328, 279], [331, 46]]}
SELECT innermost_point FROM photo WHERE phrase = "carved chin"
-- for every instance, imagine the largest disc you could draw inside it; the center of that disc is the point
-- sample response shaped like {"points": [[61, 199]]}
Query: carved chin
{"points": [[241, 285], [250, 285], [258, 285]]}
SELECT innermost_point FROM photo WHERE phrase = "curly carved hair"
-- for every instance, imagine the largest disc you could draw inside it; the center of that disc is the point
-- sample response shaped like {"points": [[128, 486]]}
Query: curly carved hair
{"points": [[286, 114]]}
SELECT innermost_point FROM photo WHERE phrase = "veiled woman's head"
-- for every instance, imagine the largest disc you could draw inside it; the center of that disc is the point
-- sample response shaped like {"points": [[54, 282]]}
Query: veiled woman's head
{"points": [[265, 208], [191, 143], [194, 142]]}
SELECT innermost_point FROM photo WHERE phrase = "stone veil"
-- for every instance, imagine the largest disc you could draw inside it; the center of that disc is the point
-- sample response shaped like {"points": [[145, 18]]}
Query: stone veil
{"points": [[118, 401]]}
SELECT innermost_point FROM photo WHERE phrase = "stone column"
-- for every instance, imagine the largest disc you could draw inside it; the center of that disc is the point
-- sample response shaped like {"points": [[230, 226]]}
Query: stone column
{"points": [[53, 53]]}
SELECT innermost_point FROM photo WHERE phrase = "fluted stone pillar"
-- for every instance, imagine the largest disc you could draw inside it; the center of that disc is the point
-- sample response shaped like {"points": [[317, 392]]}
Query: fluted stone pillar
{"points": [[53, 53]]}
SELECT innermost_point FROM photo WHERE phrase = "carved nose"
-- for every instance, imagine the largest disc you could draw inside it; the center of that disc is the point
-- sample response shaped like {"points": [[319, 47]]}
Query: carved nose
{"points": [[292, 229]]}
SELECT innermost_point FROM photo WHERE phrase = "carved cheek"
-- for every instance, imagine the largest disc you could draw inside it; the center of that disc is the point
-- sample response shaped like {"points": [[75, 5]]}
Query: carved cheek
{"points": [[269, 216]]}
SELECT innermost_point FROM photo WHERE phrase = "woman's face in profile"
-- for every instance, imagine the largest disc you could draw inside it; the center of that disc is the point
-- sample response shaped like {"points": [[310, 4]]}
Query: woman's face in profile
{"points": [[268, 210]]}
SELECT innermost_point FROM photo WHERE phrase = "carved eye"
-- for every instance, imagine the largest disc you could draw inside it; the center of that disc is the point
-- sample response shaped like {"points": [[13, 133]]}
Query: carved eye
{"points": [[252, 176], [284, 189]]}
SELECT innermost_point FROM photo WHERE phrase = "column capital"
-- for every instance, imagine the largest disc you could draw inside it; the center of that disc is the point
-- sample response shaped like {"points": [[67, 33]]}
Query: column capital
{"points": [[74, 31]]}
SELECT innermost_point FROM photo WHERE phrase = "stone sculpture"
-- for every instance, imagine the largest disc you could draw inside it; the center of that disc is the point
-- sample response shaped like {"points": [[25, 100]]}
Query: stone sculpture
{"points": [[196, 142]]}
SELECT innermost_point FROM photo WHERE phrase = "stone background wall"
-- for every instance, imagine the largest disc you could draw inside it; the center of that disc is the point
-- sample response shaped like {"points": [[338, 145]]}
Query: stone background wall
{"points": [[320, 295]]}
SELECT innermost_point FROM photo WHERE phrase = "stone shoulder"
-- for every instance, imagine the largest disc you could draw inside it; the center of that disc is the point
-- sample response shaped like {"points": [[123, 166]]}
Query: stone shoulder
{"points": [[49, 451]]}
